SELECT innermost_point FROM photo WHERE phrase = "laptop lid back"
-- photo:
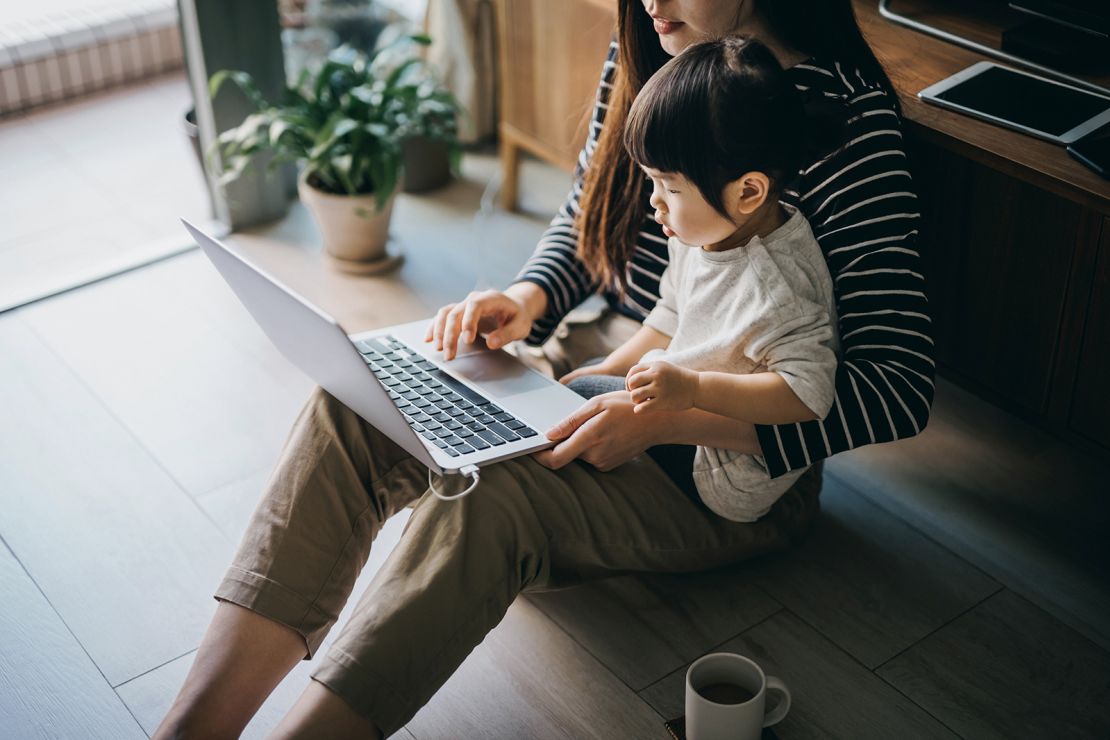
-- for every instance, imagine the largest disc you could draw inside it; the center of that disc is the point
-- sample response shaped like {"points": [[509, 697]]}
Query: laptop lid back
{"points": [[314, 342]]}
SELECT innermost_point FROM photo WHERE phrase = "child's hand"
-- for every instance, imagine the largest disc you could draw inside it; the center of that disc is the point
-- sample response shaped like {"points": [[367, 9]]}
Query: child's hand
{"points": [[661, 386]]}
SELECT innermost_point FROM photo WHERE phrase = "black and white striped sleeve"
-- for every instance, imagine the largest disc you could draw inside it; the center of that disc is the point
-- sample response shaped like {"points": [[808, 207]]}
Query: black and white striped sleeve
{"points": [[555, 266], [863, 209]]}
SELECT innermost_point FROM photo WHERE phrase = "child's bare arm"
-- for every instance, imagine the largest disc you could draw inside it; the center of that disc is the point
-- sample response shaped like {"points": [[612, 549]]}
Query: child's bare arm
{"points": [[761, 398], [624, 357], [758, 398]]}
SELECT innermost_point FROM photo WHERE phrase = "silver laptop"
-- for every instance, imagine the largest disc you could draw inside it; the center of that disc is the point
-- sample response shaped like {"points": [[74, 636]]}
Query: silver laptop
{"points": [[481, 407]]}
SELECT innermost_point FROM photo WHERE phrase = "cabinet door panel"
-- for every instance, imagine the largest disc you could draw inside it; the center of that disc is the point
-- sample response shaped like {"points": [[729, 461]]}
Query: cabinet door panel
{"points": [[997, 254], [550, 63], [1090, 411]]}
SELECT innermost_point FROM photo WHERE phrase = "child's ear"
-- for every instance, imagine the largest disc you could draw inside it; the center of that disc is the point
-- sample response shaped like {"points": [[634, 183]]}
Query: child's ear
{"points": [[747, 193]]}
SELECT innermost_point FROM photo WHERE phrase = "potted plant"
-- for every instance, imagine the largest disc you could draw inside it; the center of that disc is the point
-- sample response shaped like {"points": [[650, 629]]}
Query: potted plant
{"points": [[347, 122]]}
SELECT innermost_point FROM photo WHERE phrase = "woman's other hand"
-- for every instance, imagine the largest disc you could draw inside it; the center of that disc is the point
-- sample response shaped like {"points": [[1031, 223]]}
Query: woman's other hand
{"points": [[499, 317], [662, 386], [603, 433]]}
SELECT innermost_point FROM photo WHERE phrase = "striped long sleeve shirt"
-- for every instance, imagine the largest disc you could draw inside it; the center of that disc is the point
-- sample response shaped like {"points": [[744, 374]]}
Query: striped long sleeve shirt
{"points": [[861, 205]]}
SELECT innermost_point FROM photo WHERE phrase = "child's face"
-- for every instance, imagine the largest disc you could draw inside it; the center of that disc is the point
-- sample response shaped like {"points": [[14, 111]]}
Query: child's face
{"points": [[683, 212]]}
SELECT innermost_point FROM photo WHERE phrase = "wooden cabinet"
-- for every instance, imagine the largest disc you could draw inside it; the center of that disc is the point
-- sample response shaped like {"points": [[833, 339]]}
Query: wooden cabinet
{"points": [[549, 56], [1090, 406], [997, 254]]}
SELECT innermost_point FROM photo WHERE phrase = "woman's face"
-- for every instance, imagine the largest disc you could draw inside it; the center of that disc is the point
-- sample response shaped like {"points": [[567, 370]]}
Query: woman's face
{"points": [[680, 23]]}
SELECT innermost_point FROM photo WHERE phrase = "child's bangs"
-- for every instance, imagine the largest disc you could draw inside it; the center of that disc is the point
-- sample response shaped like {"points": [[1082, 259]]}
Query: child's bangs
{"points": [[666, 130]]}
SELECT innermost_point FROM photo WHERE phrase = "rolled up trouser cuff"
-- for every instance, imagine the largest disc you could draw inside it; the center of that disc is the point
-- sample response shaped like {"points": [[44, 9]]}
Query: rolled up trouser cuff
{"points": [[366, 690], [272, 600]]}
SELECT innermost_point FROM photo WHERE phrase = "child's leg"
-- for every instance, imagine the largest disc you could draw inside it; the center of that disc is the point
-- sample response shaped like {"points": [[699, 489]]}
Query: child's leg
{"points": [[589, 386]]}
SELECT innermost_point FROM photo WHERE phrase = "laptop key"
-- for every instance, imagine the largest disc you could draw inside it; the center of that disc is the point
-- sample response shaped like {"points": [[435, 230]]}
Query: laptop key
{"points": [[457, 413], [490, 437], [453, 425], [428, 435], [444, 433], [526, 432], [453, 441], [441, 417], [489, 408], [475, 426], [478, 442], [514, 424], [462, 449], [504, 433], [450, 451], [464, 432], [504, 416]]}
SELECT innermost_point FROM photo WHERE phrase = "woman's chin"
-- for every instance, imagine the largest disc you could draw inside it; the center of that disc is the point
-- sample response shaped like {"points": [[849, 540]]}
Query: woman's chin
{"points": [[674, 43]]}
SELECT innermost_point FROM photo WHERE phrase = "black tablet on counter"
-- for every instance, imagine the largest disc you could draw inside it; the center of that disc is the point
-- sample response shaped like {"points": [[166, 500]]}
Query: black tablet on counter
{"points": [[1025, 102]]}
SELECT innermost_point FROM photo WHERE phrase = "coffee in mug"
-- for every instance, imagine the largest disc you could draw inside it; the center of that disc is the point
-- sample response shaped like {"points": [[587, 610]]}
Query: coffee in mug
{"points": [[725, 698], [726, 693]]}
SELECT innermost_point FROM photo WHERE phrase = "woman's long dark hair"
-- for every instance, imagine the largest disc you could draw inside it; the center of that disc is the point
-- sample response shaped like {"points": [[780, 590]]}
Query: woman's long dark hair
{"points": [[612, 206]]}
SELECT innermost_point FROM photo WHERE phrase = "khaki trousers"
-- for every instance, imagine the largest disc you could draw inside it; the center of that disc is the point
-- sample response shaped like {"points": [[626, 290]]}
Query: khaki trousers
{"points": [[459, 564]]}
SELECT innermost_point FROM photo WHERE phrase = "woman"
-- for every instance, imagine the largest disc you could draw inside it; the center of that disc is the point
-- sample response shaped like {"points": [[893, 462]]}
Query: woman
{"points": [[547, 521]]}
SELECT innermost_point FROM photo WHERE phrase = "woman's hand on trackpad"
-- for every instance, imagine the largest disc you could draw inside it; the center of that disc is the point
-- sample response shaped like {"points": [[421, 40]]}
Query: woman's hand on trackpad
{"points": [[491, 314]]}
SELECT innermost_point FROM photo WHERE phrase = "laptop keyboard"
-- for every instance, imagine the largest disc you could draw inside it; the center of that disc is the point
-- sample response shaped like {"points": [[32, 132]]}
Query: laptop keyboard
{"points": [[453, 417]]}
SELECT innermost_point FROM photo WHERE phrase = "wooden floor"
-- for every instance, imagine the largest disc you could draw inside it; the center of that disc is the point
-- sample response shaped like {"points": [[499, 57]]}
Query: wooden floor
{"points": [[956, 585]]}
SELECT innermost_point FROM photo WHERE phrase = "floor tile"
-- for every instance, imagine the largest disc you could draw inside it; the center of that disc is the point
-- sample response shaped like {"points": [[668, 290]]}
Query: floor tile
{"points": [[869, 582], [150, 696], [124, 555], [833, 696], [528, 679], [48, 685], [1027, 509], [182, 365], [643, 627], [1007, 669]]}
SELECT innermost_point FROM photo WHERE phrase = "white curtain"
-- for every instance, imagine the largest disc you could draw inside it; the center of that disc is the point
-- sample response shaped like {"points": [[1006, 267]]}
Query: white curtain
{"points": [[464, 53]]}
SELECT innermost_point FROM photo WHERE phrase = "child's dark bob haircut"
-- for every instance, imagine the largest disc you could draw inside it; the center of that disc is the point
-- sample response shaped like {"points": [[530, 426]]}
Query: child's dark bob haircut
{"points": [[716, 111]]}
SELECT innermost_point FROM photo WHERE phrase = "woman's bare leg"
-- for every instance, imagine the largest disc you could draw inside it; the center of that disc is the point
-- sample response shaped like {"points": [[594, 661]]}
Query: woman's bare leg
{"points": [[321, 713], [242, 658]]}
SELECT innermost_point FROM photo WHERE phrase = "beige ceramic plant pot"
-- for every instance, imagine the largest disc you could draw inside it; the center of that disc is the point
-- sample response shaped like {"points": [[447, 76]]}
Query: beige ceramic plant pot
{"points": [[355, 232]]}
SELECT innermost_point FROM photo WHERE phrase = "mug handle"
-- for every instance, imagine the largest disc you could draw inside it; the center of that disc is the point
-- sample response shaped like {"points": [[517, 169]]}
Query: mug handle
{"points": [[775, 716]]}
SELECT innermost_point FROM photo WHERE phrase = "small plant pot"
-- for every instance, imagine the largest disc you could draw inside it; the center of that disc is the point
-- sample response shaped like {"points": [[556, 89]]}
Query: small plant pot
{"points": [[193, 132], [427, 164], [355, 232]]}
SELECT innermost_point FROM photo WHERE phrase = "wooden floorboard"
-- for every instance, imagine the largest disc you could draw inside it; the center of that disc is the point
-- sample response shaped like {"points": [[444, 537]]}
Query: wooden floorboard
{"points": [[643, 627], [833, 696], [150, 696], [867, 581], [1006, 670], [529, 680], [173, 354], [1029, 510], [125, 556], [49, 688]]}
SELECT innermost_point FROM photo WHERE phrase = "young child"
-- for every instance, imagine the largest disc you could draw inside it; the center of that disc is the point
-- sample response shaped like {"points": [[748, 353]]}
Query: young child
{"points": [[745, 325]]}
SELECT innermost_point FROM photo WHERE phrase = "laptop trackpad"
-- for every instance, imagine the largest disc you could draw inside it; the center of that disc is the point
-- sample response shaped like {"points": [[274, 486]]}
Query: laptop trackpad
{"points": [[498, 373]]}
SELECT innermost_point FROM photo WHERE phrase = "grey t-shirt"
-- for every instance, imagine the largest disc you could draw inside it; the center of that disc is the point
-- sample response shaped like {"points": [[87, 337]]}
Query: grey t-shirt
{"points": [[765, 306]]}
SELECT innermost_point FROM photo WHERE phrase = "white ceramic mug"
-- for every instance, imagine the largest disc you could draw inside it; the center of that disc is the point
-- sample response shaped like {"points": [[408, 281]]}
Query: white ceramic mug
{"points": [[710, 720]]}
